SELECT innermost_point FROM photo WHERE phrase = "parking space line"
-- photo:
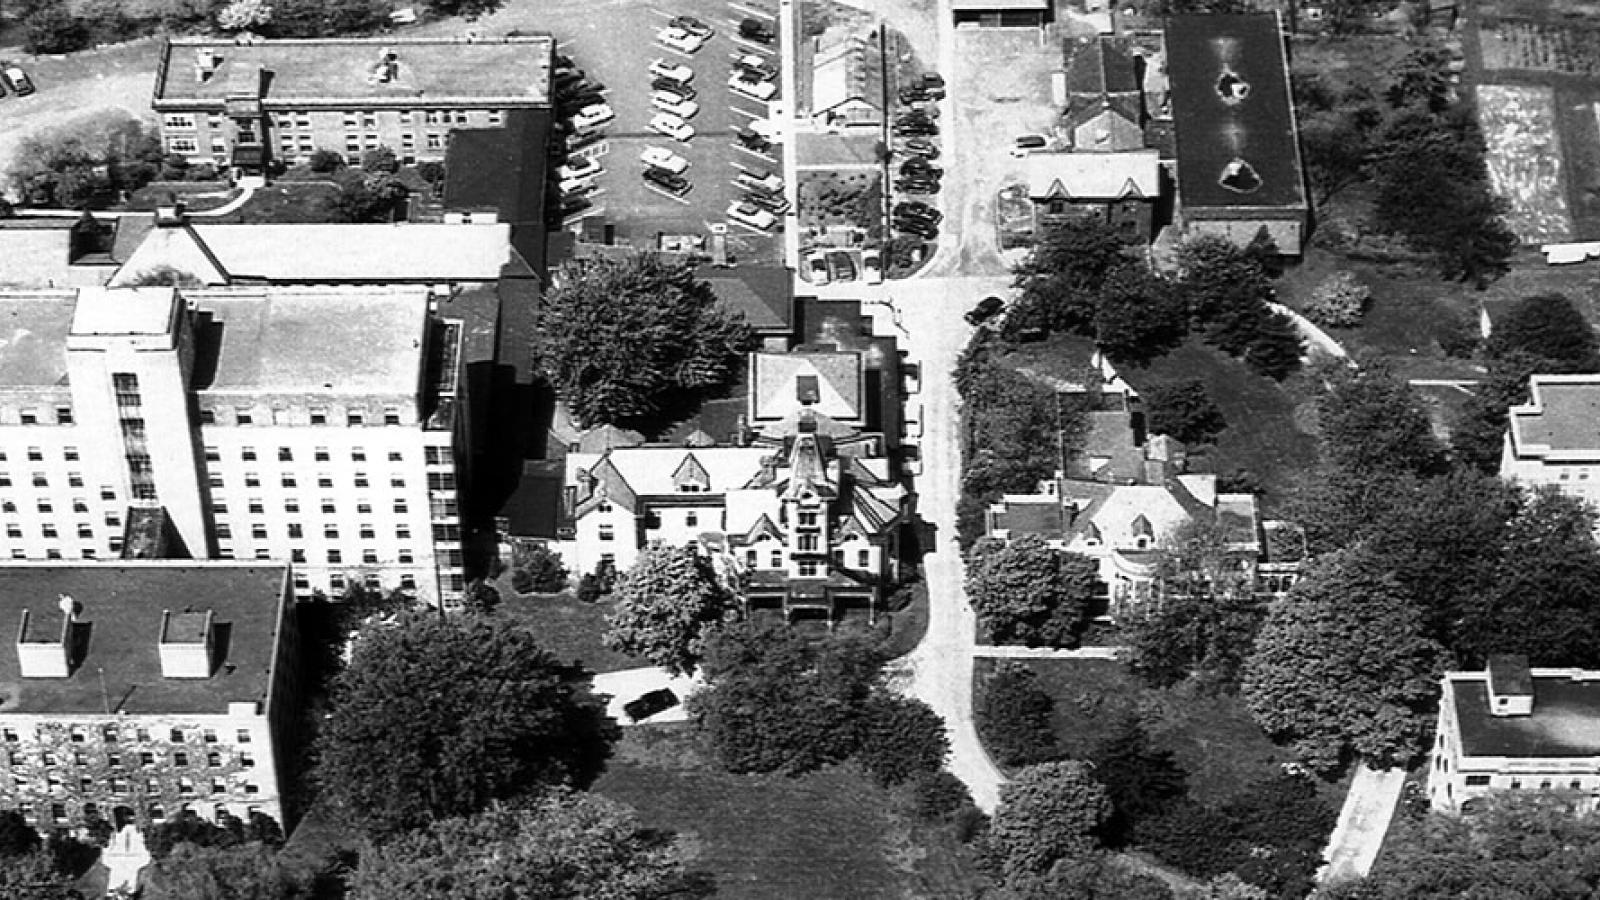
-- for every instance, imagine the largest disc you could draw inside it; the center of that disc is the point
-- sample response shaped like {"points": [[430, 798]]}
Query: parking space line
{"points": [[655, 190], [742, 111], [750, 228], [761, 156], [754, 45], [750, 10], [662, 13], [671, 49]]}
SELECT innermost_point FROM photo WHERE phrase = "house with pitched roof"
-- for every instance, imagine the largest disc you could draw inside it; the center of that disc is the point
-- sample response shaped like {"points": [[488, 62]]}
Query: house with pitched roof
{"points": [[1103, 106], [1509, 727], [804, 508], [1554, 439], [847, 86], [1119, 189]]}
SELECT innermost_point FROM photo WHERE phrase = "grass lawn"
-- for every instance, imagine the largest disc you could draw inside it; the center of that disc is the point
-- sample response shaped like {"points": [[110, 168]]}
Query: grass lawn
{"points": [[830, 834], [290, 202], [567, 627], [1214, 738]]}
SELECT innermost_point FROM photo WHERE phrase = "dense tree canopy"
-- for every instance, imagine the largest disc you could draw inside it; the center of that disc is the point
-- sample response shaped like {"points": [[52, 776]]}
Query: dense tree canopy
{"points": [[1048, 812], [1088, 876], [575, 846], [1550, 328], [1183, 409], [902, 739], [1342, 666], [249, 871], [1014, 717], [1141, 779], [667, 605], [437, 717], [637, 341], [1372, 422], [1027, 591], [84, 162]]}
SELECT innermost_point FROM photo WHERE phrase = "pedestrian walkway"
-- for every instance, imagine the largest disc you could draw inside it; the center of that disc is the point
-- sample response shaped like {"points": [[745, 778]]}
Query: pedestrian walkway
{"points": [[1363, 821], [998, 652], [124, 857]]}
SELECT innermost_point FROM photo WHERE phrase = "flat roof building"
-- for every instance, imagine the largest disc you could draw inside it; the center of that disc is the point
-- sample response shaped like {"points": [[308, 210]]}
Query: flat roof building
{"points": [[242, 103], [1554, 439], [134, 690]]}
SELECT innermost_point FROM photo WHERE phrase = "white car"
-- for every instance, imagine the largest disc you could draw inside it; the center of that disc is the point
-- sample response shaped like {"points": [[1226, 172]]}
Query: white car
{"points": [[756, 68], [672, 103], [678, 39], [671, 126], [817, 266], [872, 266], [756, 90], [763, 181], [593, 115], [662, 158], [754, 216], [682, 74], [579, 167]]}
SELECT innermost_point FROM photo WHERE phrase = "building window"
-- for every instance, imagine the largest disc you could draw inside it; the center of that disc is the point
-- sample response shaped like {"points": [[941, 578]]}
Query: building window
{"points": [[180, 759], [808, 568], [285, 454], [183, 145], [178, 121], [256, 507], [243, 415], [327, 506], [243, 736], [863, 558], [335, 558], [213, 454], [355, 417], [258, 532], [319, 415], [775, 559], [368, 532], [396, 456], [297, 556], [808, 543], [402, 532], [369, 557], [400, 507], [361, 480], [406, 558], [64, 415], [288, 481], [252, 480], [750, 559], [691, 519], [291, 506], [391, 415], [331, 532], [808, 519], [296, 531]]}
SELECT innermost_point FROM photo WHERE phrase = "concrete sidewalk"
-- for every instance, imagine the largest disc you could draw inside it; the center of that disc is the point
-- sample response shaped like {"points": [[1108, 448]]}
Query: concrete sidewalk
{"points": [[995, 651], [1363, 821]]}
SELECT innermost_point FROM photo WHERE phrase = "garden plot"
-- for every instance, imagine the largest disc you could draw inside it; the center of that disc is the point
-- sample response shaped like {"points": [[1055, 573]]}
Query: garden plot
{"points": [[1519, 125], [1540, 47]]}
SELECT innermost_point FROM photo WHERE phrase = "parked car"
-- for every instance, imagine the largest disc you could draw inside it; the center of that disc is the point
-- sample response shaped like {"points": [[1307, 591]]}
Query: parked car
{"points": [[574, 204], [872, 266], [561, 79], [646, 705], [670, 125], [932, 81], [913, 93], [841, 266], [916, 186], [664, 159], [987, 308], [756, 30], [692, 25], [925, 230], [755, 90], [676, 185], [761, 181], [593, 115], [920, 147], [678, 72], [667, 85], [753, 140], [817, 267], [773, 203], [918, 127], [575, 104], [915, 209], [756, 67], [580, 167], [918, 167], [1025, 144], [680, 40], [563, 61], [754, 216], [672, 103], [581, 139]]}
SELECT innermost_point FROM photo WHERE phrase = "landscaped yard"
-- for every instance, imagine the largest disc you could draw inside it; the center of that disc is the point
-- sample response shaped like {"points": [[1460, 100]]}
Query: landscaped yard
{"points": [[831, 834], [567, 627], [288, 202]]}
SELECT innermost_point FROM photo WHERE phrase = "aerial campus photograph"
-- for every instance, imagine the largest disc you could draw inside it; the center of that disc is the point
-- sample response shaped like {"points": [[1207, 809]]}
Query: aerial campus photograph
{"points": [[799, 449]]}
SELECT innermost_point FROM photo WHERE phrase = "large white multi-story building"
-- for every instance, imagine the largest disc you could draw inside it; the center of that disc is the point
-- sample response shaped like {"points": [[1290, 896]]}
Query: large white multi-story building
{"points": [[136, 689], [1554, 439], [322, 426]]}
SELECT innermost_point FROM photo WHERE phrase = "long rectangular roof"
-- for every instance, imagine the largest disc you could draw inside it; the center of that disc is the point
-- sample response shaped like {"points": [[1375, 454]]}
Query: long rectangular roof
{"points": [[328, 72], [1233, 113], [1562, 422], [402, 251], [1565, 720], [119, 625], [1093, 176]]}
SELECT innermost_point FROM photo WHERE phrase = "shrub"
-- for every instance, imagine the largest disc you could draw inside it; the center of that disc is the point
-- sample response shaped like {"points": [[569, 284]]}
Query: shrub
{"points": [[52, 29], [1014, 718], [970, 824], [938, 797], [589, 589], [326, 161], [380, 159], [1339, 301], [542, 571], [902, 739]]}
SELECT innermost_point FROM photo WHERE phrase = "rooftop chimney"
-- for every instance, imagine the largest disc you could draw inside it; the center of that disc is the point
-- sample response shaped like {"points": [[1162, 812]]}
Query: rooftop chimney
{"points": [[386, 69], [205, 64], [185, 644], [806, 390], [169, 211], [43, 651], [1510, 685]]}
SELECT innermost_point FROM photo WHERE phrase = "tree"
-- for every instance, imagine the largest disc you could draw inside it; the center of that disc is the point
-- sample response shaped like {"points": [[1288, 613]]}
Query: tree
{"points": [[165, 276], [1027, 591], [35, 876], [1284, 825], [1014, 717], [569, 845], [1275, 349], [1184, 410], [1063, 271], [1550, 328], [371, 197], [778, 701], [325, 161], [250, 871], [1228, 886], [667, 605], [1217, 278], [244, 15], [480, 597], [17, 837], [1204, 619], [1339, 301], [1091, 876], [437, 717], [327, 18], [1047, 813], [1141, 780], [539, 570], [380, 159], [1342, 667], [1138, 316], [51, 28], [85, 161], [902, 739], [1372, 422], [470, 9], [637, 340]]}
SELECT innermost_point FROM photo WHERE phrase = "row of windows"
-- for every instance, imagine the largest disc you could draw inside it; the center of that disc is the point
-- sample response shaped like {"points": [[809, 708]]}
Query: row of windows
{"points": [[79, 505], [30, 415], [338, 582], [1546, 784], [84, 553], [48, 531], [369, 557], [58, 811], [291, 505], [437, 481], [42, 479], [36, 454], [246, 415], [111, 734], [434, 456], [145, 759]]}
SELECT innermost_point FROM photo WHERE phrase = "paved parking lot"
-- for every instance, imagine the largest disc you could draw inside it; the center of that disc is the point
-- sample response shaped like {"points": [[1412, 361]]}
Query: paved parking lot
{"points": [[614, 43]]}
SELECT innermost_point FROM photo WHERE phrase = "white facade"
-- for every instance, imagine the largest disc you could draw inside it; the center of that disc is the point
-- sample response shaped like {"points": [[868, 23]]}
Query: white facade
{"points": [[1553, 440]]}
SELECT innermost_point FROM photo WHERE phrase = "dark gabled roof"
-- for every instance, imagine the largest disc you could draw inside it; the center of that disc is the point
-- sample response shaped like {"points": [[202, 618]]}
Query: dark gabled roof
{"points": [[500, 168], [763, 294], [1100, 67], [1247, 140]]}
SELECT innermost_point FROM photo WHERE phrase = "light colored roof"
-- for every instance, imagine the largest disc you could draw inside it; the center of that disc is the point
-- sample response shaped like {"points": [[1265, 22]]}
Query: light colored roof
{"points": [[38, 258], [981, 5], [649, 470], [33, 338], [1093, 176], [279, 252], [847, 66], [125, 311], [429, 72], [1116, 513], [1563, 420], [343, 340], [777, 380]]}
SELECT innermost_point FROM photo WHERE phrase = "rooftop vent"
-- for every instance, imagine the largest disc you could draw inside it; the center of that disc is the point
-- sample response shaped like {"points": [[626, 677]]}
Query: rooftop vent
{"points": [[806, 390], [386, 69], [1240, 177], [1231, 88], [186, 644], [43, 650], [1510, 685], [205, 64]]}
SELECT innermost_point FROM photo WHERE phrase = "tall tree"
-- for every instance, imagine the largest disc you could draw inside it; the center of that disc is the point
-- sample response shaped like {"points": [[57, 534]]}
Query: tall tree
{"points": [[1141, 780], [576, 846], [1342, 667], [1048, 812], [667, 605], [636, 341], [1062, 274], [1028, 591], [902, 739], [1014, 715], [437, 717], [1550, 328], [1372, 422], [1138, 315], [34, 876], [1183, 408]]}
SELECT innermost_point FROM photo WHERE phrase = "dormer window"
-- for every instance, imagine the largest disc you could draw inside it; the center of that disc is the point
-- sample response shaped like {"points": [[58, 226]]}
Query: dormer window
{"points": [[604, 507]]}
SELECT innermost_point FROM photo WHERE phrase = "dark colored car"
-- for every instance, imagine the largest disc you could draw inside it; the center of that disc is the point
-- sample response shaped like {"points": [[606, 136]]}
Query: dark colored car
{"points": [[914, 94], [919, 227], [582, 139], [578, 88], [676, 185], [692, 25], [683, 91], [772, 203], [919, 128], [841, 266], [914, 209], [646, 705], [754, 141], [987, 308], [756, 30], [913, 186], [756, 71], [564, 61], [916, 166], [571, 105], [573, 204], [920, 147]]}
